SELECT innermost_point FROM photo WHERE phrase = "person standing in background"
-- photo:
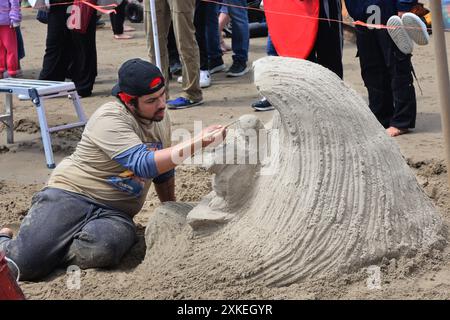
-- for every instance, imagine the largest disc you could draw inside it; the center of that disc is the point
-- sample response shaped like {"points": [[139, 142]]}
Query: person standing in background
{"points": [[240, 37], [386, 71], [10, 18], [70, 53], [117, 22], [328, 47], [181, 14]]}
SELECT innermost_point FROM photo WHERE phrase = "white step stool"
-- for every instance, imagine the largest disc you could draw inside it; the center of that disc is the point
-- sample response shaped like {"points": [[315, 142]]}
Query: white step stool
{"points": [[37, 91]]}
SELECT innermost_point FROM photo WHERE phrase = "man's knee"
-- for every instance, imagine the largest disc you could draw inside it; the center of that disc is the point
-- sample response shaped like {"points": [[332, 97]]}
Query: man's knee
{"points": [[91, 251], [101, 255]]}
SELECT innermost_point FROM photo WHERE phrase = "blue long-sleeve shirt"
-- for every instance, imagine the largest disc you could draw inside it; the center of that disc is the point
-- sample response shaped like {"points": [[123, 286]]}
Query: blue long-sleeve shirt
{"points": [[358, 8], [142, 163]]}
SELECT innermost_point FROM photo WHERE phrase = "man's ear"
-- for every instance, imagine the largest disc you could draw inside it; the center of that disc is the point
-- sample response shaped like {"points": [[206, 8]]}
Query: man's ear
{"points": [[132, 104]]}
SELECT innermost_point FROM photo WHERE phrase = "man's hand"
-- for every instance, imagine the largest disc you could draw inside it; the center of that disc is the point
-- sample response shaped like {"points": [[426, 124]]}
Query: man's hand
{"points": [[169, 158], [214, 134]]}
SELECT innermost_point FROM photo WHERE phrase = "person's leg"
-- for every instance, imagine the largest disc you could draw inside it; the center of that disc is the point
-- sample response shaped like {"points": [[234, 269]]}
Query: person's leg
{"points": [[270, 49], [163, 23], [200, 32], [375, 75], [46, 232], [240, 34], [103, 241], [183, 26], [174, 57], [200, 35], [56, 58], [84, 66], [20, 45], [212, 37], [223, 20], [2, 51], [118, 19], [264, 104], [401, 86], [12, 58], [329, 42]]}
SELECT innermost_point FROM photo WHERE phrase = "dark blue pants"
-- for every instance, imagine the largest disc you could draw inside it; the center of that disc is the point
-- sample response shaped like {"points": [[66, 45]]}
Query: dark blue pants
{"points": [[207, 32], [64, 228], [387, 75], [270, 48]]}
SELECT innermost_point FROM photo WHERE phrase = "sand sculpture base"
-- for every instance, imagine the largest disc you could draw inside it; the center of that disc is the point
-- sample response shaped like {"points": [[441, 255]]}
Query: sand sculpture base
{"points": [[331, 194]]}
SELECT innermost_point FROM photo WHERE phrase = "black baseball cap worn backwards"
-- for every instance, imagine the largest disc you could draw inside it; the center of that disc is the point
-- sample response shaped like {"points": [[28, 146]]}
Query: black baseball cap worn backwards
{"points": [[137, 78]]}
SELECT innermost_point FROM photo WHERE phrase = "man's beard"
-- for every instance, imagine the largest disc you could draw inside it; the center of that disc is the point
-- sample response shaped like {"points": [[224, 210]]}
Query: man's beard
{"points": [[146, 120]]}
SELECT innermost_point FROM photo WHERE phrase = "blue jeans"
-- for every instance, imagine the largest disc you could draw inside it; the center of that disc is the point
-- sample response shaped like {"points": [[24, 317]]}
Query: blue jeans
{"points": [[239, 28], [65, 228], [270, 49], [212, 32]]}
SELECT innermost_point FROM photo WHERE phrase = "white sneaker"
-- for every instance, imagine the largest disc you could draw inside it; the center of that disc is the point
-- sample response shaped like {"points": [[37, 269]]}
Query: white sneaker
{"points": [[205, 79], [416, 28], [399, 35]]}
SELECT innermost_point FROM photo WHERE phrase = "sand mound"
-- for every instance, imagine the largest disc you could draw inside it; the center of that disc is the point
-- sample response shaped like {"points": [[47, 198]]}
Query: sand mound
{"points": [[26, 125], [340, 196]]}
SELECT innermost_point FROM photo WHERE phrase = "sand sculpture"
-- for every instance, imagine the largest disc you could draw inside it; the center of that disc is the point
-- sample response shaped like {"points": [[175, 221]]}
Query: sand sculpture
{"points": [[334, 195]]}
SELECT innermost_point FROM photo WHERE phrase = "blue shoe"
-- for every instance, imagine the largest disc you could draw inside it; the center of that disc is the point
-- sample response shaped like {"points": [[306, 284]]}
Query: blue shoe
{"points": [[182, 103]]}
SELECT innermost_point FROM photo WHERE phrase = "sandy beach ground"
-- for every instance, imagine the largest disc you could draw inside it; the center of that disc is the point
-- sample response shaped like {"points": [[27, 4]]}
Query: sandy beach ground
{"points": [[23, 172]]}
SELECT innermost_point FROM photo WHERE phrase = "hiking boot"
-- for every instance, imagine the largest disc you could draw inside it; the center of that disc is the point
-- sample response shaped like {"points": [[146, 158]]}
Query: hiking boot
{"points": [[237, 69]]}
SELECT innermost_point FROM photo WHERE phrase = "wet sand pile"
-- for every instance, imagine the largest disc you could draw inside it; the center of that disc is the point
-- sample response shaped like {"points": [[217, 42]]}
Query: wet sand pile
{"points": [[342, 197], [15, 201], [196, 269]]}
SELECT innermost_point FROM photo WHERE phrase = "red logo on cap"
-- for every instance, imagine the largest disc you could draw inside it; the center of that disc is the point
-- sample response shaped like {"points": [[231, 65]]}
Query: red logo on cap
{"points": [[155, 83]]}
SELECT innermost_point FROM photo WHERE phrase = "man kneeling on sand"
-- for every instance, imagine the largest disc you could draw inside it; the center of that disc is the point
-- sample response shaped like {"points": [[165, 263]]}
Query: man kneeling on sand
{"points": [[84, 216]]}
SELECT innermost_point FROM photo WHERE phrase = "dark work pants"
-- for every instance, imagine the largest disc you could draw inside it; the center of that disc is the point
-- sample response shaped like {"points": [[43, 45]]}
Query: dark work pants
{"points": [[118, 18], [200, 32], [387, 75], [328, 47], [174, 56], [65, 228], [69, 54], [202, 12]]}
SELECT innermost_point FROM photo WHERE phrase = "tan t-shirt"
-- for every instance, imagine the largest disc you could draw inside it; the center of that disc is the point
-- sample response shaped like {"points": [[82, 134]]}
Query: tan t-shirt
{"points": [[90, 170]]}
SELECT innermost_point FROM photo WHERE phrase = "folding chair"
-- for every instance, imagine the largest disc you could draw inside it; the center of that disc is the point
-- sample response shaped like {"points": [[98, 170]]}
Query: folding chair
{"points": [[38, 91]]}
